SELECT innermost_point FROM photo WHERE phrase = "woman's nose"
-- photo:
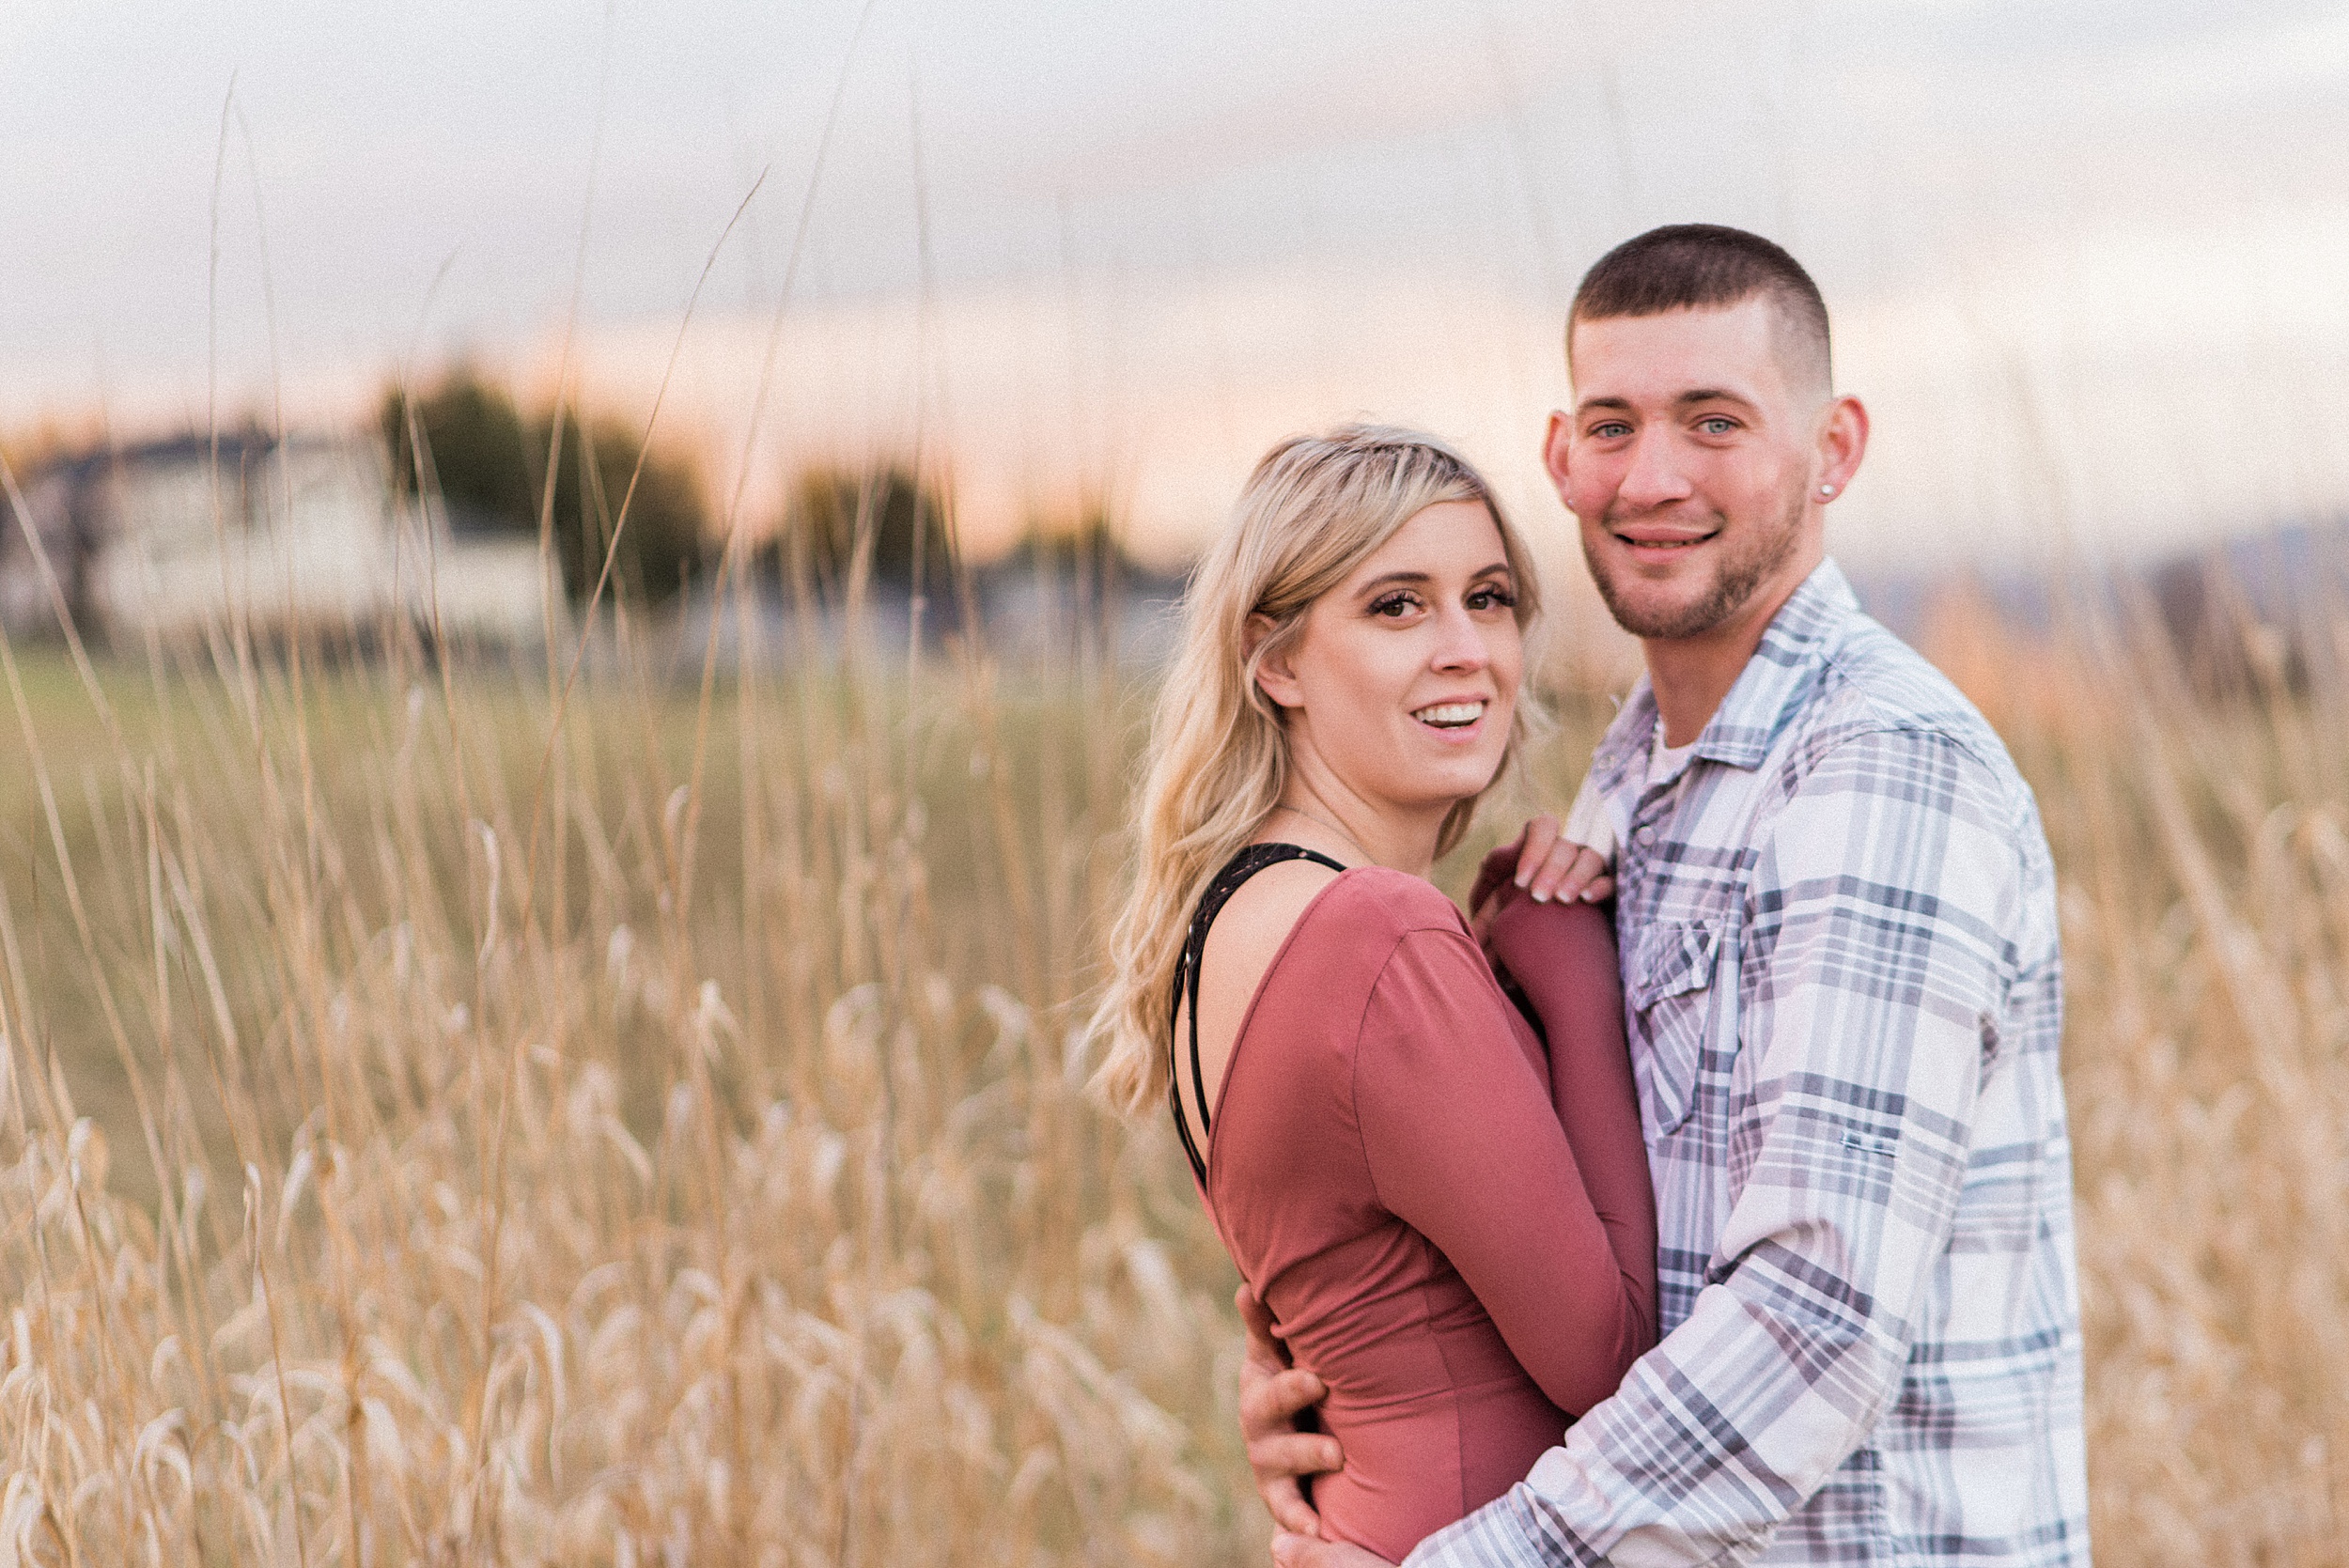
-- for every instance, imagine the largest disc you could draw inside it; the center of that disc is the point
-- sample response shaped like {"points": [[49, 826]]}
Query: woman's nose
{"points": [[1461, 643]]}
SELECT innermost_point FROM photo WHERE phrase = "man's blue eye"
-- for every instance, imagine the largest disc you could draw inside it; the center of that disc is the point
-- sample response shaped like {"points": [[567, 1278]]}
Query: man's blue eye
{"points": [[1719, 427]]}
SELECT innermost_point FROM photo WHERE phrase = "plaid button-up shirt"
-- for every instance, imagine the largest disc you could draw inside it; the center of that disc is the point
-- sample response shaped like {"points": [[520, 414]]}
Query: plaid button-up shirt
{"points": [[1838, 927]]}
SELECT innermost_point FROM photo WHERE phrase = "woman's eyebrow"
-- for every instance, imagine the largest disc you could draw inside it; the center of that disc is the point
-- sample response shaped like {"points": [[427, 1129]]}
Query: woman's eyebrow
{"points": [[1417, 578]]}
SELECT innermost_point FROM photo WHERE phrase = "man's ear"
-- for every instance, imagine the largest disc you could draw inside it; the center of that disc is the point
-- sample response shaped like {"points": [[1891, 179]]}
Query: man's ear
{"points": [[1273, 675], [1555, 445], [1843, 441]]}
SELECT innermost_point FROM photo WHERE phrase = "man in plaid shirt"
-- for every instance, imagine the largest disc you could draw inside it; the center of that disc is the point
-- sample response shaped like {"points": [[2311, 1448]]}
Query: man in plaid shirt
{"points": [[1839, 941]]}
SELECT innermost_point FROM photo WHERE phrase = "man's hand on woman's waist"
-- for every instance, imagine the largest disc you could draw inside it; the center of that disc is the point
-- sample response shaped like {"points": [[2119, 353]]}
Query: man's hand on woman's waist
{"points": [[1272, 1393]]}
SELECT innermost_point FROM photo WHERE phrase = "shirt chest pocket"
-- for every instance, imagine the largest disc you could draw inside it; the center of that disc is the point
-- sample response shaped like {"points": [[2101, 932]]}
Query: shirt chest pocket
{"points": [[1682, 989]]}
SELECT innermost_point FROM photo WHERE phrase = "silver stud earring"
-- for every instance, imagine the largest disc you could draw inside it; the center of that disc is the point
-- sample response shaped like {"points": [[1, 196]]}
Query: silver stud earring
{"points": [[1826, 490]]}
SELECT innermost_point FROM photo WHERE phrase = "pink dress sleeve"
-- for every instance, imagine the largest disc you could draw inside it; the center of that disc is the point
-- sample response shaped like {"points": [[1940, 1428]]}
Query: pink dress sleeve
{"points": [[1563, 959], [1453, 1100]]}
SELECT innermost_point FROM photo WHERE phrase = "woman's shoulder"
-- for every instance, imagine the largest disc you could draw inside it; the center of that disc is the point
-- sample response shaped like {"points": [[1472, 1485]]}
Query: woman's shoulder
{"points": [[1383, 956], [1312, 921], [1331, 933], [1357, 902], [1343, 935], [1374, 899]]}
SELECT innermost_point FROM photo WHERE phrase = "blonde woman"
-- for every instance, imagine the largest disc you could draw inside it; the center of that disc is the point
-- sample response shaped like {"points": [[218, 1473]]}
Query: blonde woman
{"points": [[1446, 1215]]}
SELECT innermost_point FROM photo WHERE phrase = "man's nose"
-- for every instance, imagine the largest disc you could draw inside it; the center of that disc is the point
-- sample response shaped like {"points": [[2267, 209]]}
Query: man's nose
{"points": [[1654, 477]]}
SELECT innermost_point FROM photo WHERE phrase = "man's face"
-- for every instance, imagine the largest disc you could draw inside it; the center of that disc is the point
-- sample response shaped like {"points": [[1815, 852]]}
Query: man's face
{"points": [[1690, 457]]}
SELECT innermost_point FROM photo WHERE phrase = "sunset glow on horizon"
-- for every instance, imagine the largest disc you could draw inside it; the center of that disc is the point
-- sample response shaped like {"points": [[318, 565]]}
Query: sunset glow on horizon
{"points": [[1070, 259]]}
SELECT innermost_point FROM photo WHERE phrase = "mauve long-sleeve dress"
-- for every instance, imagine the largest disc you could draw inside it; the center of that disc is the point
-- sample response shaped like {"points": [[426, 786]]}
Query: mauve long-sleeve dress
{"points": [[1448, 1220]]}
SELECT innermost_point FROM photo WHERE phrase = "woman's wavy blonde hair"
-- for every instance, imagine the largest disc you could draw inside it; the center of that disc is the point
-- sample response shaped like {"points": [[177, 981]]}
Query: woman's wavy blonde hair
{"points": [[1313, 510]]}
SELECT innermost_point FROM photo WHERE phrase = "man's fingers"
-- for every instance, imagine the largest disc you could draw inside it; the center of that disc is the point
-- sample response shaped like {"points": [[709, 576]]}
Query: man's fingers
{"points": [[1291, 1550], [1268, 1405], [1271, 1393], [1540, 835], [1291, 1455], [1278, 1462], [1290, 1511]]}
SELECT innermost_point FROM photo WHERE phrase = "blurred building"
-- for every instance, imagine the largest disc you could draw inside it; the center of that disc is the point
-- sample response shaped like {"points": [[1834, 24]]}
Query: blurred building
{"points": [[303, 536]]}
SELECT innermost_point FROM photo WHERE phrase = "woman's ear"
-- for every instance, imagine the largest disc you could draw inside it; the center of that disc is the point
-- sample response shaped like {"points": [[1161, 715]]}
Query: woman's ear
{"points": [[1273, 675]]}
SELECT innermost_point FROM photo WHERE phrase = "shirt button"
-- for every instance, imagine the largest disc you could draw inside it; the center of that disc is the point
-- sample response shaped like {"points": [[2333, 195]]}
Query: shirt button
{"points": [[1647, 833]]}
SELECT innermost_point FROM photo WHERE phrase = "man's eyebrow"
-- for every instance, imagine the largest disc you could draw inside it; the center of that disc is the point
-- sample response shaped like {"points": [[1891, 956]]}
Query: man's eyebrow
{"points": [[1695, 394]]}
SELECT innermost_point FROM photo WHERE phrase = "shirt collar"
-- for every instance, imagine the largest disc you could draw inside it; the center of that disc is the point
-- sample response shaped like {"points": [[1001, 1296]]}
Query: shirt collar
{"points": [[1768, 692]]}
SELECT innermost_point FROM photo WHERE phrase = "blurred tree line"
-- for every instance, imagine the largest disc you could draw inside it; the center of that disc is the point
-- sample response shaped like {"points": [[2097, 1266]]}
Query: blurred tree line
{"points": [[488, 462], [875, 528], [844, 530]]}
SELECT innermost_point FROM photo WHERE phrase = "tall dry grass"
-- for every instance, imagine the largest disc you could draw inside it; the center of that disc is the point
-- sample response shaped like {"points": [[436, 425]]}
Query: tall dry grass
{"points": [[439, 1129], [2203, 849], [436, 1134]]}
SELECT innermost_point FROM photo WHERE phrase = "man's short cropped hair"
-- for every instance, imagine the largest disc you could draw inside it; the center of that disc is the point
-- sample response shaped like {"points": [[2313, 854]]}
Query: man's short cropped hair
{"points": [[1697, 266]]}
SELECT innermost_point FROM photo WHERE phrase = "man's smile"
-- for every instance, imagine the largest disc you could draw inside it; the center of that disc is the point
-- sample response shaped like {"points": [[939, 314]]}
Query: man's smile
{"points": [[1656, 540]]}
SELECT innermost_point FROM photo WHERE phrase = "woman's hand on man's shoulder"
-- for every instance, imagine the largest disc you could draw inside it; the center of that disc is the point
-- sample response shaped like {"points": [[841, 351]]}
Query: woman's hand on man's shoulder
{"points": [[1540, 864]]}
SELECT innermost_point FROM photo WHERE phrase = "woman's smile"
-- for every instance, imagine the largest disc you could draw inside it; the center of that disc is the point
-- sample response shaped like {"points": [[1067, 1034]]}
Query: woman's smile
{"points": [[1452, 715], [1454, 720]]}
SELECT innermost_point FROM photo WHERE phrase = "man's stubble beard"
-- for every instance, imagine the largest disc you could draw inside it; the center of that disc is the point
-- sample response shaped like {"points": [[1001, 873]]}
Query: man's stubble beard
{"points": [[1734, 584]]}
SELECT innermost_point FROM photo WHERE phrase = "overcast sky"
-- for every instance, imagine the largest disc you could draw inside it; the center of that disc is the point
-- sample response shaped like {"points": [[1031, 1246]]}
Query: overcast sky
{"points": [[2087, 261]]}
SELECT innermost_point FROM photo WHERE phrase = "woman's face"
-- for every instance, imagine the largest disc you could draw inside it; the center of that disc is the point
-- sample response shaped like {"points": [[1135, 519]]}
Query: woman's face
{"points": [[1403, 682]]}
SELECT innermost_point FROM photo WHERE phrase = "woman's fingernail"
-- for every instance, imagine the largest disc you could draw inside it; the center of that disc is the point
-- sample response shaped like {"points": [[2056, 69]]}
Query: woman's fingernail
{"points": [[1540, 898]]}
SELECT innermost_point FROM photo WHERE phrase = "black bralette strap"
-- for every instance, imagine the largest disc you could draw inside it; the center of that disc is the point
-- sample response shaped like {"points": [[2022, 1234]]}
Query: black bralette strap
{"points": [[1226, 882]]}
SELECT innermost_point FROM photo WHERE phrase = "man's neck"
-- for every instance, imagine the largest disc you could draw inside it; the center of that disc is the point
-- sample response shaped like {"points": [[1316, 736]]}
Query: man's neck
{"points": [[1690, 675]]}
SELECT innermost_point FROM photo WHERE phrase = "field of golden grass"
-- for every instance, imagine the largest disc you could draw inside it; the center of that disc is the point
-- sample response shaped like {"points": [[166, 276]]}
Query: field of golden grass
{"points": [[443, 1120]]}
